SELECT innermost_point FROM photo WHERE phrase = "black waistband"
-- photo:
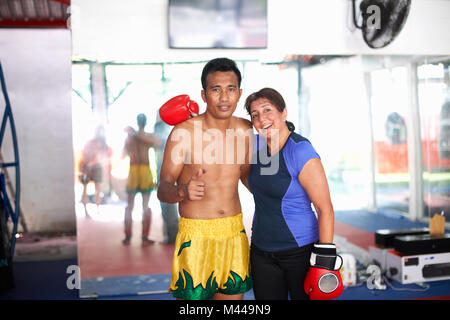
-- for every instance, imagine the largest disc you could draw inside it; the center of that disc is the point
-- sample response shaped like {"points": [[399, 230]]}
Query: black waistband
{"points": [[307, 247]]}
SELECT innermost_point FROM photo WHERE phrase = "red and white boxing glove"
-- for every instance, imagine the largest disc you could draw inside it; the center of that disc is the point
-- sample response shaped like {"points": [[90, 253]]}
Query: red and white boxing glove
{"points": [[178, 109], [323, 281]]}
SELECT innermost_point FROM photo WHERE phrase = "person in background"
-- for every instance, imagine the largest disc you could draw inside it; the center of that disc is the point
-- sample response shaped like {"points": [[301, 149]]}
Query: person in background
{"points": [[96, 155], [140, 178], [169, 211]]}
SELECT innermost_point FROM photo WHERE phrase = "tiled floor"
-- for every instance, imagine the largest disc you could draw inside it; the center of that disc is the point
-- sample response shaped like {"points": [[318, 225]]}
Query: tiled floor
{"points": [[101, 252]]}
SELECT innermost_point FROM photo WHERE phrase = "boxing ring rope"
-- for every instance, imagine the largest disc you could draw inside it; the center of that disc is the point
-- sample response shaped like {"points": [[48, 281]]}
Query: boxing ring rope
{"points": [[13, 213]]}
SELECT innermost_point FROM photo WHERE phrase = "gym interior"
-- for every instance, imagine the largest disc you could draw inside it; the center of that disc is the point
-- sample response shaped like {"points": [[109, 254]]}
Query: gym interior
{"points": [[372, 96]]}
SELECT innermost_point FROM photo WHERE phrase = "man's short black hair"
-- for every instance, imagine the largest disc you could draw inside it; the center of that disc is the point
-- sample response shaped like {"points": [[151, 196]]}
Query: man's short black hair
{"points": [[222, 65]]}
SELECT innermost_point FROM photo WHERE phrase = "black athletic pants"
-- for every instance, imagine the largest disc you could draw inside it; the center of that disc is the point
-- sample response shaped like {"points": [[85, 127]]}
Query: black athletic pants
{"points": [[277, 274]]}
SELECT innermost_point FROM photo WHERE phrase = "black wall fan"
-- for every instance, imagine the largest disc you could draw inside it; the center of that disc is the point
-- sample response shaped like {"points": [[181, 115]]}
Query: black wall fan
{"points": [[381, 24]]}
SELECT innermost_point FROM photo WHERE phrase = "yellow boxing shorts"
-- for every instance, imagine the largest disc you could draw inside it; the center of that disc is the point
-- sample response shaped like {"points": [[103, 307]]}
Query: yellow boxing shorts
{"points": [[140, 179], [211, 256]]}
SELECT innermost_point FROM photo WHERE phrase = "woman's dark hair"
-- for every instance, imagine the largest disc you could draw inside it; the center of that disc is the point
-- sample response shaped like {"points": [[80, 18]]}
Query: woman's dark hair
{"points": [[274, 97], [222, 65]]}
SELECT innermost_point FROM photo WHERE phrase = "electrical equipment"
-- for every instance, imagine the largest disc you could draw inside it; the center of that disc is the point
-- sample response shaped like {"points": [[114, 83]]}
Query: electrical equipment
{"points": [[384, 238], [423, 243], [417, 268]]}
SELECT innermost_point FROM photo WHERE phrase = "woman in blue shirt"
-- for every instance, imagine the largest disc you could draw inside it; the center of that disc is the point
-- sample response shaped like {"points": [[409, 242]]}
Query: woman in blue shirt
{"points": [[286, 176]]}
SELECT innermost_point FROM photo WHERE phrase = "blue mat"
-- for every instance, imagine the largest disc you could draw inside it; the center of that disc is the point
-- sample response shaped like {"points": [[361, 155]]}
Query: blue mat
{"points": [[372, 222], [164, 296], [152, 286], [127, 285], [46, 280], [42, 280], [436, 290]]}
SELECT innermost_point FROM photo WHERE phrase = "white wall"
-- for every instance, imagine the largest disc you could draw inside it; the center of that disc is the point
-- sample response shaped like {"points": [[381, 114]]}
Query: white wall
{"points": [[37, 66], [136, 30]]}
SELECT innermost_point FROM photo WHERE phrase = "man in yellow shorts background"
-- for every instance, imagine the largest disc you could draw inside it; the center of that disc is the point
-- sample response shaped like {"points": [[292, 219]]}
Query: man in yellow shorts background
{"points": [[211, 256], [140, 178]]}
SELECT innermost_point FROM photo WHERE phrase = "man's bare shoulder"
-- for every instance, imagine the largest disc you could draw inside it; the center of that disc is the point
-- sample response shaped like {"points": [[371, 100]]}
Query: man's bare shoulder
{"points": [[242, 123], [188, 124], [183, 129], [178, 127]]}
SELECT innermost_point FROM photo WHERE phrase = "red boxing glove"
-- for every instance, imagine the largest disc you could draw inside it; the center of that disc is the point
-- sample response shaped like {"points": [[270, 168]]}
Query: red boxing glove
{"points": [[323, 281], [178, 109]]}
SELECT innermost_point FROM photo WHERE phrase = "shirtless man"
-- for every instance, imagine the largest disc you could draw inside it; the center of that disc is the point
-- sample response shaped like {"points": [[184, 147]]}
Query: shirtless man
{"points": [[95, 153], [211, 258], [140, 177]]}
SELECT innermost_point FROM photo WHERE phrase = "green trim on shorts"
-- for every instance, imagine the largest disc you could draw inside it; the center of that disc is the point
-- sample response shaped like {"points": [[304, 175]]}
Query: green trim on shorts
{"points": [[197, 293], [184, 245], [234, 285]]}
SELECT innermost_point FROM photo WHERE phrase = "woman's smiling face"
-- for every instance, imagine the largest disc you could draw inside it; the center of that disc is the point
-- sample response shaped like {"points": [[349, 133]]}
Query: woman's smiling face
{"points": [[266, 117]]}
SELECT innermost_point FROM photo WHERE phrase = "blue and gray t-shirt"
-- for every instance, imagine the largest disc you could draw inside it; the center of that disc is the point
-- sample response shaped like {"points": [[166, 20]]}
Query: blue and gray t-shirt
{"points": [[283, 216]]}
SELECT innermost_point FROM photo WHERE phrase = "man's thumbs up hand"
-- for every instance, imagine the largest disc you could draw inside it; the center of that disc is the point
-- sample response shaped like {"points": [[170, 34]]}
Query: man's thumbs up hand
{"points": [[195, 188]]}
